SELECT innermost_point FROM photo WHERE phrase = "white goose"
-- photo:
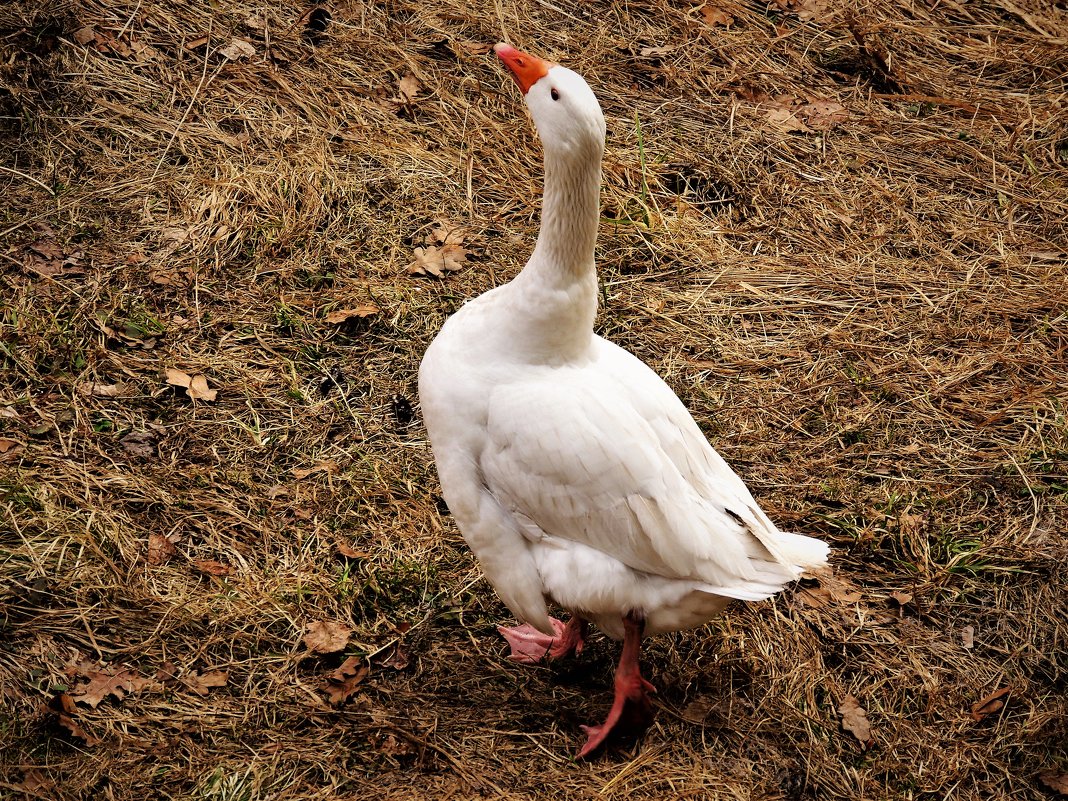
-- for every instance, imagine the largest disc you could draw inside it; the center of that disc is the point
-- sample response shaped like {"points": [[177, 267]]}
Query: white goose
{"points": [[573, 471]]}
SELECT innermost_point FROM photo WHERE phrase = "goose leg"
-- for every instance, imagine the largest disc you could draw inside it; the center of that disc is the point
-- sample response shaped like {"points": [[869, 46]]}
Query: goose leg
{"points": [[529, 646], [631, 705]]}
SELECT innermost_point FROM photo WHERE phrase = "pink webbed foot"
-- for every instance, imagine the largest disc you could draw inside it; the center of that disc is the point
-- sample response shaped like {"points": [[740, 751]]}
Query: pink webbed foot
{"points": [[529, 646], [631, 707]]}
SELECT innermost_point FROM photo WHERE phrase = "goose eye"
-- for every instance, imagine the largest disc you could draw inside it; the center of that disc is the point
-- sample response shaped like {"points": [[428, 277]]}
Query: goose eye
{"points": [[554, 94]]}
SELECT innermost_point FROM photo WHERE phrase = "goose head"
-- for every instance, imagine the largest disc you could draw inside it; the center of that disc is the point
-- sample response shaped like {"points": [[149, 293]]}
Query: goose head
{"points": [[564, 109]]}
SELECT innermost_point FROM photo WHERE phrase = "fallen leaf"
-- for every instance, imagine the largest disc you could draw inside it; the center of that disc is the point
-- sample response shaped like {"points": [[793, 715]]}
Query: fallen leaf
{"points": [[34, 782], [655, 51], [409, 87], [436, 261], [211, 567], [167, 672], [193, 44], [139, 443], [1057, 782], [823, 115], [474, 48], [327, 637], [196, 386], [786, 120], [342, 683], [805, 10], [160, 549], [990, 705], [9, 447], [716, 16], [341, 315], [391, 746], [237, 49], [855, 720], [84, 36], [198, 389], [967, 637], [46, 258], [902, 598], [105, 682], [99, 390], [71, 725], [256, 22], [398, 659], [200, 683], [351, 553], [319, 467], [910, 523]]}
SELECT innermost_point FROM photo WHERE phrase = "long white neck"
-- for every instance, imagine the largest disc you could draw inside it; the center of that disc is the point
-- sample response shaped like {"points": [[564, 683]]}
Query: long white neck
{"points": [[570, 212]]}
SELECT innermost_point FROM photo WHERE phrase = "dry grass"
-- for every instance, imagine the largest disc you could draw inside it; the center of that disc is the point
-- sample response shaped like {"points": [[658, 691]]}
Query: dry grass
{"points": [[870, 322]]}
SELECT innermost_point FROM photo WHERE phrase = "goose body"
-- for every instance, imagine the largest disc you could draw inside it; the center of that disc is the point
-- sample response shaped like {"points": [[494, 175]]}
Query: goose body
{"points": [[573, 471]]}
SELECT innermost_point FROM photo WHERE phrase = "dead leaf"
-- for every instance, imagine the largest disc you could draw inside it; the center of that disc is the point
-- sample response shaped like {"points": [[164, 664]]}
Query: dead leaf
{"points": [[105, 682], [823, 115], [211, 567], [342, 683], [351, 553], [716, 16], [319, 467], [815, 10], [46, 258], [990, 705], [160, 549], [99, 390], [855, 720], [967, 637], [237, 49], [34, 782], [167, 672], [902, 598], [910, 523], [139, 443], [655, 51], [391, 746], [193, 44], [71, 725], [256, 22], [1057, 782], [196, 386], [200, 683], [436, 261], [327, 637], [474, 48], [9, 448], [785, 120], [409, 87], [341, 315], [399, 659], [84, 36]]}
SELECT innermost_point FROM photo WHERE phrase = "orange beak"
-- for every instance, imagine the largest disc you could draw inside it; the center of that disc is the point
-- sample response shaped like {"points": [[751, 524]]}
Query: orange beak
{"points": [[526, 70]]}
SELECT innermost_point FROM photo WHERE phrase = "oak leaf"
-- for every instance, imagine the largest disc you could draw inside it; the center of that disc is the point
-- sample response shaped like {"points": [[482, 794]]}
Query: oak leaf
{"points": [[342, 683], [200, 683], [160, 549], [341, 315], [1057, 782], [106, 682], [436, 261], [237, 49], [855, 720], [990, 705], [196, 386], [902, 598], [326, 636], [409, 87], [716, 16], [211, 567]]}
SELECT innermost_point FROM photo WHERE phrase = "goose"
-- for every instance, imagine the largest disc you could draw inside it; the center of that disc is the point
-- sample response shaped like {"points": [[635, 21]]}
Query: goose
{"points": [[574, 473]]}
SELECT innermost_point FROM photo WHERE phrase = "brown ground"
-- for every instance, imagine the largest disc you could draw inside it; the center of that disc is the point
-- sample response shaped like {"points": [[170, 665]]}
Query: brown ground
{"points": [[839, 235]]}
